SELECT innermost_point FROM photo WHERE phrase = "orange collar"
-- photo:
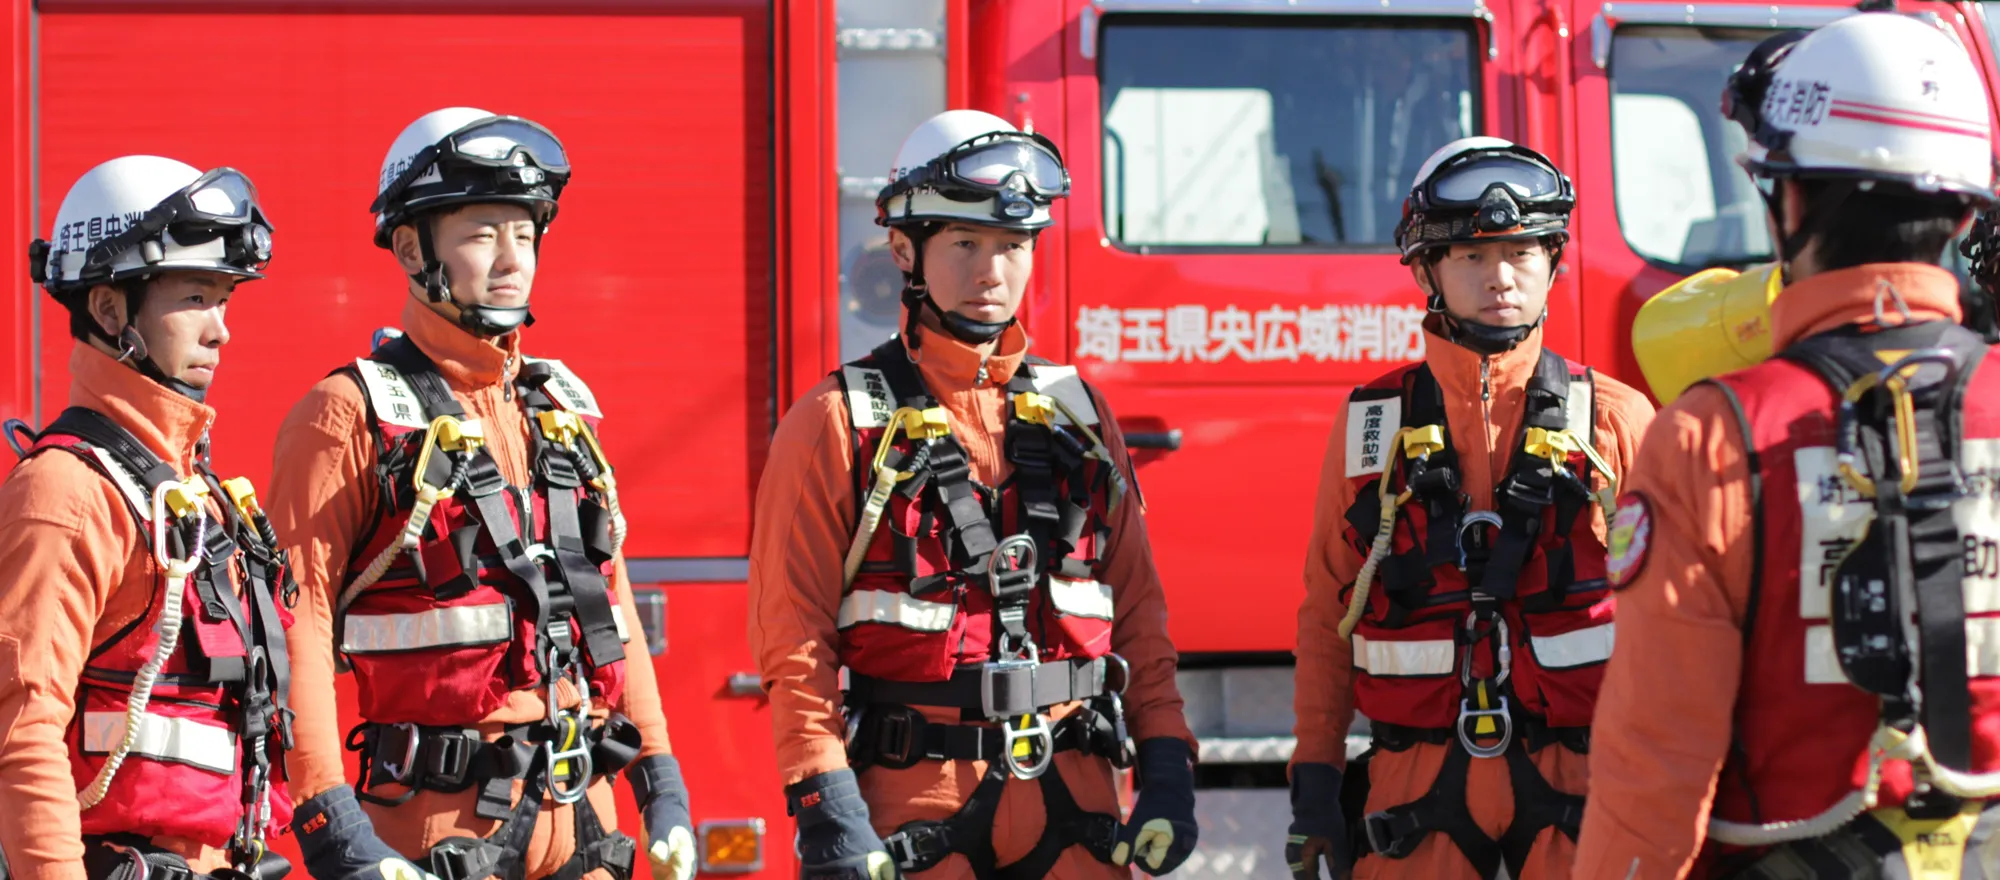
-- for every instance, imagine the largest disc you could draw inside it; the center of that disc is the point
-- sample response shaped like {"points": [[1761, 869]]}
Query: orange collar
{"points": [[1457, 368], [465, 360], [166, 421], [949, 365], [1856, 295]]}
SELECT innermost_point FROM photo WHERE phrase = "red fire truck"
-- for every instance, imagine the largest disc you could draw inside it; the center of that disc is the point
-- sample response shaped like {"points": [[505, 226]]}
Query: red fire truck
{"points": [[1223, 270]]}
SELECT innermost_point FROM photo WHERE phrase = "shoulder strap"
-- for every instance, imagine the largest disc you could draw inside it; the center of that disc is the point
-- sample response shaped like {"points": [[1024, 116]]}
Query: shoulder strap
{"points": [[113, 452]]}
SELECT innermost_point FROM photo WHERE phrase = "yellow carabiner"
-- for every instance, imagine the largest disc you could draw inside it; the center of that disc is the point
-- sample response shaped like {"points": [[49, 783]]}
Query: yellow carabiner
{"points": [[451, 435], [560, 426]]}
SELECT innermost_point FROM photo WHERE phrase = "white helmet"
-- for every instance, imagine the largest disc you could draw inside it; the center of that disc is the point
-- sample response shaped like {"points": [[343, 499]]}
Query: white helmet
{"points": [[1877, 96], [973, 167], [461, 155], [136, 216]]}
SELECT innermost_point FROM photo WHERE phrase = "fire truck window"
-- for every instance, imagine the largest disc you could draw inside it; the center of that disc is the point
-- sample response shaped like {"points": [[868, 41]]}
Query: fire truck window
{"points": [[1682, 199], [1305, 135]]}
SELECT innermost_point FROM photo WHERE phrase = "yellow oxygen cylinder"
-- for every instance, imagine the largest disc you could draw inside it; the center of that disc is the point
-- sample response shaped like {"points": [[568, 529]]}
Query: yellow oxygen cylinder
{"points": [[1712, 322]]}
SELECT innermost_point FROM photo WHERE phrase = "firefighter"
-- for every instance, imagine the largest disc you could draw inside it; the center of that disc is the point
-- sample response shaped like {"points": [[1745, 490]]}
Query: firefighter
{"points": [[1455, 581], [1806, 679], [143, 715], [956, 523], [456, 529]]}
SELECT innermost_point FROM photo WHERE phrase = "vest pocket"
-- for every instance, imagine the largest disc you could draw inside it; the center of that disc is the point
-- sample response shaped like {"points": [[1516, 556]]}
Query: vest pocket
{"points": [[421, 660]]}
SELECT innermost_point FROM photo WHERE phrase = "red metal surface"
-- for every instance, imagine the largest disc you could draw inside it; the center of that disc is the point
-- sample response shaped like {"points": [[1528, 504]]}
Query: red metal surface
{"points": [[808, 265], [17, 350], [1229, 512], [664, 239]]}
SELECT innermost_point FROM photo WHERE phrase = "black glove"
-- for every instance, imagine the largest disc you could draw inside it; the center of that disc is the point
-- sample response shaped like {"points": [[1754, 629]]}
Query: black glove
{"points": [[1162, 829], [339, 843], [663, 802], [1318, 830], [835, 840]]}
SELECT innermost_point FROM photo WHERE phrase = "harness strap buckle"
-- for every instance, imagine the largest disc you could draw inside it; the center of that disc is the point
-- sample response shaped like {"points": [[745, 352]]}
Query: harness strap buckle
{"points": [[919, 846], [1007, 687], [1393, 833]]}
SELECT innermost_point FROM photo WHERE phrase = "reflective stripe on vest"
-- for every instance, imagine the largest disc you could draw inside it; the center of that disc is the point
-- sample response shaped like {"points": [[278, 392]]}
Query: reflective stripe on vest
{"points": [[1573, 649], [437, 628], [1081, 598], [182, 740], [896, 609], [1835, 517], [1414, 658]]}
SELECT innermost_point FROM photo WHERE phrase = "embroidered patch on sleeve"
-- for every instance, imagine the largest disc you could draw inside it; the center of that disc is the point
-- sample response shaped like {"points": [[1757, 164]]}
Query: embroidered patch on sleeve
{"points": [[1631, 534]]}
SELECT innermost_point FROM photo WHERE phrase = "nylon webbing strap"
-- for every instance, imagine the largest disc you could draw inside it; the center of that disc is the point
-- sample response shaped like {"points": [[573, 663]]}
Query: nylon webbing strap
{"points": [[971, 532], [98, 429], [1913, 544], [561, 480], [1443, 507], [1529, 487]]}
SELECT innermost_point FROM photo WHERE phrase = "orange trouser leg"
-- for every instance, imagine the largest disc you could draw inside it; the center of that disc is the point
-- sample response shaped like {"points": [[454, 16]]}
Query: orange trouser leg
{"points": [[1397, 778], [432, 816], [935, 790]]}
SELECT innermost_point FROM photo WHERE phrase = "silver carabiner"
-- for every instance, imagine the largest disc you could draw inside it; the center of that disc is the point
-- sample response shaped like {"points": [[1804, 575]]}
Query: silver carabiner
{"points": [[1503, 656], [1035, 733], [398, 771], [579, 722]]}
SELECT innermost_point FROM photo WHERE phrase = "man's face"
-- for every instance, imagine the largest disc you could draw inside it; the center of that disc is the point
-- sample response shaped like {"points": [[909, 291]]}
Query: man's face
{"points": [[978, 272], [180, 318], [1498, 284], [488, 252]]}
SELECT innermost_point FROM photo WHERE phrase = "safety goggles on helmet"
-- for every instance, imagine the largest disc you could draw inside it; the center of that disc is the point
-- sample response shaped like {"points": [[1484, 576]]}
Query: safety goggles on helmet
{"points": [[1743, 95], [521, 155], [220, 204], [1465, 181], [1017, 168]]}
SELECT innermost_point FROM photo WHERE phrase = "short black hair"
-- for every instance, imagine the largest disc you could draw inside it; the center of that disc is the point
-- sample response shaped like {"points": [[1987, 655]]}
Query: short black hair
{"points": [[1886, 223], [82, 326]]}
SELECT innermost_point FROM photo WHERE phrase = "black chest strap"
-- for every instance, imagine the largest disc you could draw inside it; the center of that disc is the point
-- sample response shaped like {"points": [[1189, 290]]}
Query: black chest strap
{"points": [[1912, 547]]}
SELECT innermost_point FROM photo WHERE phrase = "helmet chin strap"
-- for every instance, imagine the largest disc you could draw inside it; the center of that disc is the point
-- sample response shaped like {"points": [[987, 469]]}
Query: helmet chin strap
{"points": [[487, 321], [917, 297]]}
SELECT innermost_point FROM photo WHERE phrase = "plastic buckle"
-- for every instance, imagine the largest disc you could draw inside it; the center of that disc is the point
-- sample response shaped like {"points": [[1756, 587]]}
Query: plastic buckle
{"points": [[449, 760], [895, 737], [1384, 840], [919, 845], [1034, 732], [1007, 687]]}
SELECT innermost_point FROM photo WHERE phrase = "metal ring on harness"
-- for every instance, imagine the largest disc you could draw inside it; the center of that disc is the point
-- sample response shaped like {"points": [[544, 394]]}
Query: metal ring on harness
{"points": [[1467, 523], [1014, 555], [1038, 738], [402, 771], [1501, 714], [569, 728]]}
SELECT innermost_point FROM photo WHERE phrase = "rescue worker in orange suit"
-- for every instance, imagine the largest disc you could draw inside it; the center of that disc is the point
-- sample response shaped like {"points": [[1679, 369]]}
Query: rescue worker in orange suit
{"points": [[1455, 582], [143, 716], [1806, 683], [955, 522], [456, 529]]}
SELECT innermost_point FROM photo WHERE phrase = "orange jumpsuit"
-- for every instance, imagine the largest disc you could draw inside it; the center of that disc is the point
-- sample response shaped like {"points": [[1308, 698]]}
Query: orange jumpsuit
{"points": [[323, 493], [1483, 403], [75, 568], [1665, 715], [804, 521]]}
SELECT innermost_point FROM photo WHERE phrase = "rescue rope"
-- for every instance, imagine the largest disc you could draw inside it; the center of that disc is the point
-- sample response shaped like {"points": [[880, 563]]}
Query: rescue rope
{"points": [[886, 478], [413, 532], [175, 573], [1888, 744], [1365, 581]]}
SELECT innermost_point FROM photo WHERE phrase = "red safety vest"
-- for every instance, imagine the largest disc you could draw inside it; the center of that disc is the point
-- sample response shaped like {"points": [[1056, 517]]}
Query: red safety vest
{"points": [[914, 612], [1558, 609], [1802, 727], [452, 627], [217, 707]]}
